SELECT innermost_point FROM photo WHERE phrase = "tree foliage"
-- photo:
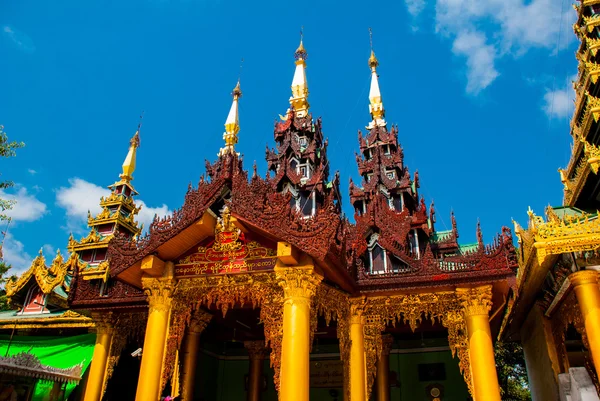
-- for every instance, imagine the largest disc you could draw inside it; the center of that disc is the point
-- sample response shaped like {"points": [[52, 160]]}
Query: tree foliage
{"points": [[512, 374], [7, 149]]}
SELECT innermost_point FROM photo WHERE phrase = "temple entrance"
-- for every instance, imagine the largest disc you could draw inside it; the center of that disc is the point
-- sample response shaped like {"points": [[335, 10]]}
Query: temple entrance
{"points": [[123, 383], [232, 362]]}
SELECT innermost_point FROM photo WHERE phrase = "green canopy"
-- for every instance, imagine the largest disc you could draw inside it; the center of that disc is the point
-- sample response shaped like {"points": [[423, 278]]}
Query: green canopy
{"points": [[57, 352]]}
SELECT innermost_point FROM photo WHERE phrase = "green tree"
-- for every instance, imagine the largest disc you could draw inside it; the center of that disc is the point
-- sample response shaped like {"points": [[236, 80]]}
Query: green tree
{"points": [[7, 149], [512, 374]]}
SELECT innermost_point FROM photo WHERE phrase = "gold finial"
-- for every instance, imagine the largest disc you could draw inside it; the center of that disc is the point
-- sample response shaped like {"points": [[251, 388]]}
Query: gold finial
{"points": [[299, 99], [232, 124], [129, 163], [301, 53], [373, 62]]}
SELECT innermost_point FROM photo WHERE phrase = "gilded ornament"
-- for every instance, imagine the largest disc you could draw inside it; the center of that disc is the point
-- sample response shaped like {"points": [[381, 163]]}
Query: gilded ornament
{"points": [[592, 153], [446, 307], [298, 283], [226, 291], [572, 233], [593, 45], [47, 278], [475, 301], [591, 22]]}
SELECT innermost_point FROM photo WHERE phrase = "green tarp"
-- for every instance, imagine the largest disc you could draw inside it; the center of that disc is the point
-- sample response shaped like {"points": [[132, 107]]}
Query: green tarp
{"points": [[57, 352]]}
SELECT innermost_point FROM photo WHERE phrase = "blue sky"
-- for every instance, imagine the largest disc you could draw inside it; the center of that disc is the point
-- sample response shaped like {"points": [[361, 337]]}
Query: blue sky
{"points": [[481, 92]]}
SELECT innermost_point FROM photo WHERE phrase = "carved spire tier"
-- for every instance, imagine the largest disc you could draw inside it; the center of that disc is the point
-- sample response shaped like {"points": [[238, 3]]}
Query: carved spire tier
{"points": [[116, 217], [299, 162], [394, 239]]}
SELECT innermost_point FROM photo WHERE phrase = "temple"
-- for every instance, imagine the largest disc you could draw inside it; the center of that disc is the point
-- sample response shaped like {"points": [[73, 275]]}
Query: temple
{"points": [[259, 288], [554, 309]]}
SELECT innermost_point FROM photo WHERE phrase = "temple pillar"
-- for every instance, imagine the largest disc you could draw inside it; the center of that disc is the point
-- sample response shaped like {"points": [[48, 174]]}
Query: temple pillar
{"points": [[541, 358], [97, 373], [159, 292], [476, 303], [299, 284], [358, 366], [383, 369], [198, 323], [257, 353], [585, 283]]}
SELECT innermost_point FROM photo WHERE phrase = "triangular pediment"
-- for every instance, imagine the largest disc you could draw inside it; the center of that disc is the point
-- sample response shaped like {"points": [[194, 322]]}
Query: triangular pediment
{"points": [[232, 249], [211, 245]]}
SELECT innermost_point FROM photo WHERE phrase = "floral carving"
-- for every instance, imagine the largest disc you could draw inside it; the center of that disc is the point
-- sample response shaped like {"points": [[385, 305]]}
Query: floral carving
{"points": [[445, 307]]}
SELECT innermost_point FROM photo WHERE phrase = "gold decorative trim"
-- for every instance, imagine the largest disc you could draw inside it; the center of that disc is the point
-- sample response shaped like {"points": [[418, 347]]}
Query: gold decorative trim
{"points": [[445, 307], [47, 278], [226, 291], [98, 272], [569, 234], [593, 69], [591, 22], [70, 319], [593, 45], [592, 154]]}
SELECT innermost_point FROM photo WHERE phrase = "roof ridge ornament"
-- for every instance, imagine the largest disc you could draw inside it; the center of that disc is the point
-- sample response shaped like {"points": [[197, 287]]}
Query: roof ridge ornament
{"points": [[375, 102]]}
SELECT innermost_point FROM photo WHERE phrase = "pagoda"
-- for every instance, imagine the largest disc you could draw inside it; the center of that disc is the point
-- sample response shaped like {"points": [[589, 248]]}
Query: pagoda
{"points": [[553, 311], [260, 288]]}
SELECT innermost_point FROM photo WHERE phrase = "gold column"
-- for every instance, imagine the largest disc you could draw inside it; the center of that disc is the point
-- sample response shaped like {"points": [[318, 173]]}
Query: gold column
{"points": [[257, 353], [97, 375], [299, 284], [476, 303], [159, 292], [383, 369], [358, 367], [585, 283], [199, 321]]}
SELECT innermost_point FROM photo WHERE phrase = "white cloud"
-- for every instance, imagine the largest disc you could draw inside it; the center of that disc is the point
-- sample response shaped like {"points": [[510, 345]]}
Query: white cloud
{"points": [[558, 103], [482, 31], [146, 214], [26, 208], [415, 7], [81, 196], [14, 254], [19, 39], [31, 171], [49, 251], [480, 60]]}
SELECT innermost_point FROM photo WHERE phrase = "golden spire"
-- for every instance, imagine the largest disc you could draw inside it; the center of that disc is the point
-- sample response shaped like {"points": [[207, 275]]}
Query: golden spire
{"points": [[232, 124], [375, 103], [129, 163], [299, 99]]}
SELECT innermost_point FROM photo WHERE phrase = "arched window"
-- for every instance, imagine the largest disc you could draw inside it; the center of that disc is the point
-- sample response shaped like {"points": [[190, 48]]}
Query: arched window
{"points": [[375, 260]]}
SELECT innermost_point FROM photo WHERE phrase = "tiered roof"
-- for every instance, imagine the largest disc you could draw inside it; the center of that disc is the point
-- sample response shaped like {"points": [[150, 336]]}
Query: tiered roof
{"points": [[390, 214], [394, 243]]}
